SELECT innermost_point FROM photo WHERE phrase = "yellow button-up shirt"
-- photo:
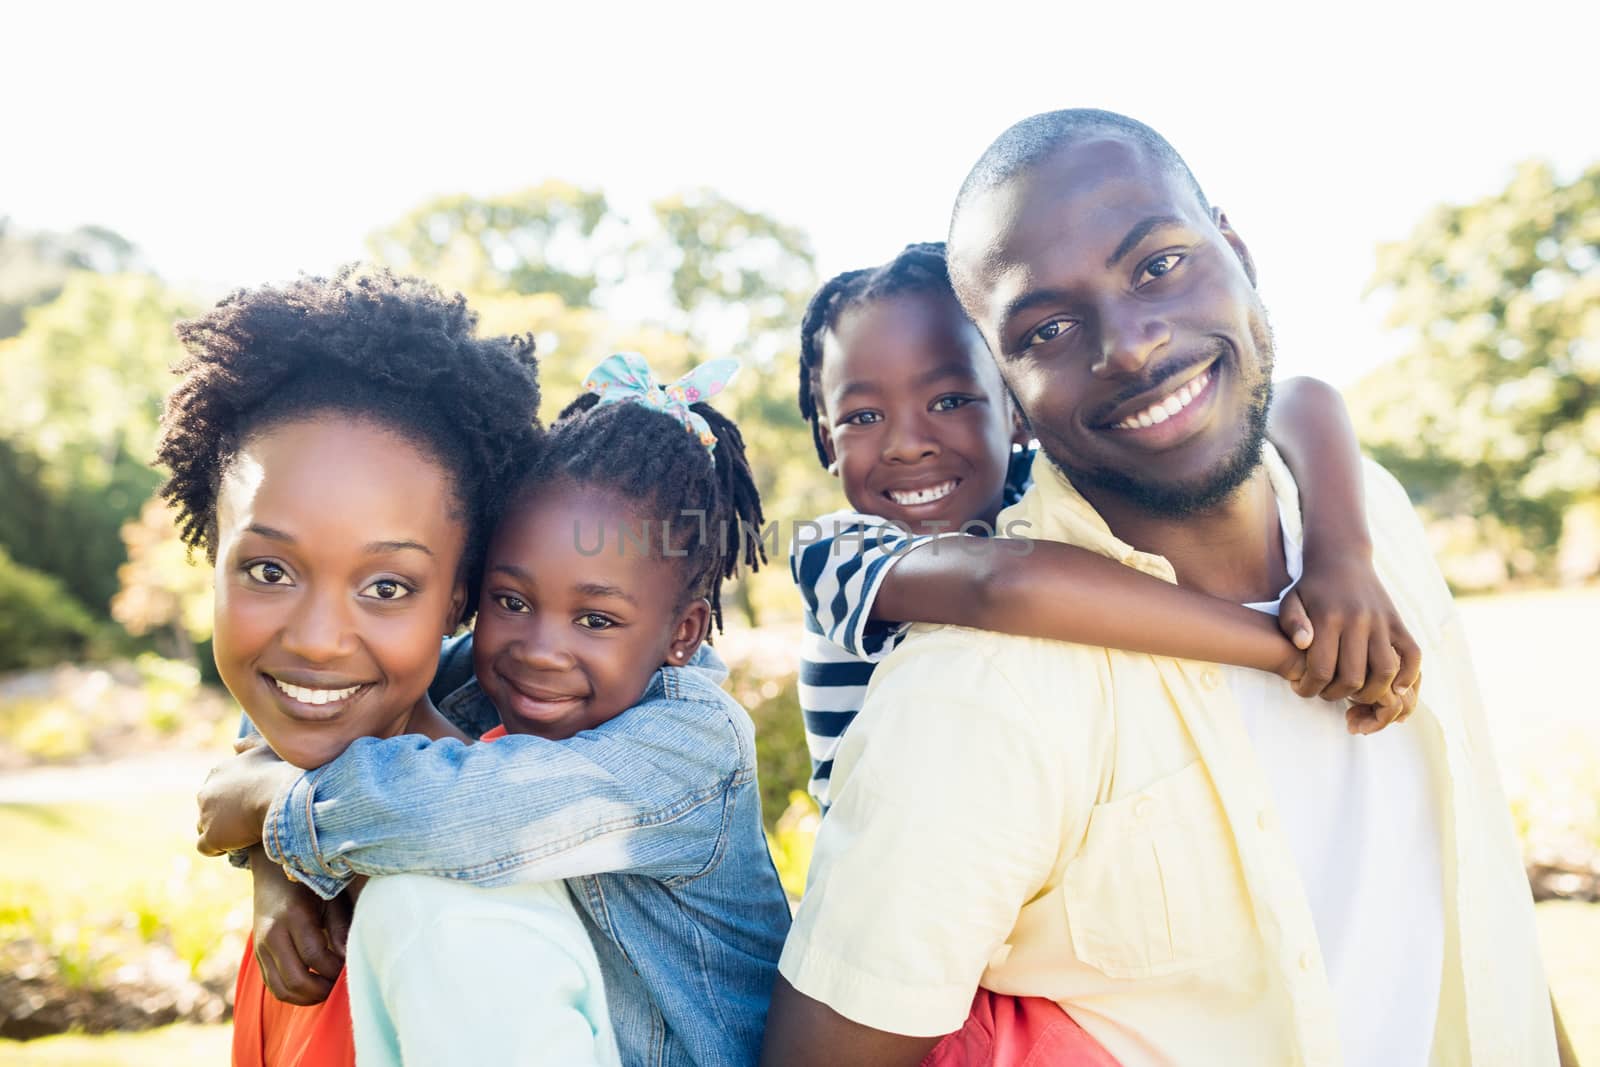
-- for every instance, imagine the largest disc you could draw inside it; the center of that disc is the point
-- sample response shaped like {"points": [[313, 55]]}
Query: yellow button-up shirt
{"points": [[1092, 826]]}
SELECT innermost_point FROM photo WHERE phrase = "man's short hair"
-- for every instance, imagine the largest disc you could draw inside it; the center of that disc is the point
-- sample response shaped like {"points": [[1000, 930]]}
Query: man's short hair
{"points": [[1034, 139]]}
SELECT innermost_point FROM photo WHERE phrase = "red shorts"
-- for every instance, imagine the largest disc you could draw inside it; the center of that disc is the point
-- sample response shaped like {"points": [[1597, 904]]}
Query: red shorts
{"points": [[1003, 1031]]}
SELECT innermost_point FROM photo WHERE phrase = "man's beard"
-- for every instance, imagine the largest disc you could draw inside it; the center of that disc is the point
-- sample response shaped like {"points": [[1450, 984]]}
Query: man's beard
{"points": [[1216, 486]]}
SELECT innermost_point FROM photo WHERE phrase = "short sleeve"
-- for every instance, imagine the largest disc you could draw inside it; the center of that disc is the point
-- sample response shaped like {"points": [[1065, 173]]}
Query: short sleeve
{"points": [[840, 562], [948, 802]]}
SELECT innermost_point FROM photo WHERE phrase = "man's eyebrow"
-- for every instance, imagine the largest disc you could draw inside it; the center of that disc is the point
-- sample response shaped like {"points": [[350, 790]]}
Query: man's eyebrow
{"points": [[1139, 233], [603, 589], [379, 548], [1027, 302]]}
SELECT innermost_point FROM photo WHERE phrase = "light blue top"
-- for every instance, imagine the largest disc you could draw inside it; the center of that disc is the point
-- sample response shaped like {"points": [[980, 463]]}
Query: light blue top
{"points": [[654, 818], [446, 974]]}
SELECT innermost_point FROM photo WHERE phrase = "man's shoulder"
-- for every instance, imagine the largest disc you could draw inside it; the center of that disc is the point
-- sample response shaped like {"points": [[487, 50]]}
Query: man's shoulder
{"points": [[957, 667]]}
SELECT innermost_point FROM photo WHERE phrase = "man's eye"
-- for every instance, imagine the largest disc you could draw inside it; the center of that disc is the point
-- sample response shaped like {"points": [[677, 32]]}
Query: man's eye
{"points": [[1048, 332], [515, 605], [861, 418], [951, 403], [268, 573], [1162, 264], [595, 621], [387, 589]]}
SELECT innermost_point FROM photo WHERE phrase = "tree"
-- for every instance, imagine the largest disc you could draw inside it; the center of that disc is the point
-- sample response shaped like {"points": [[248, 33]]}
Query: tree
{"points": [[1492, 416], [539, 240], [80, 401], [34, 266]]}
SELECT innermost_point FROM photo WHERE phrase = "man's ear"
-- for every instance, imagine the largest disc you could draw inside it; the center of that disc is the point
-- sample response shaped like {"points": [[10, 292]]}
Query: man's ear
{"points": [[689, 632], [1235, 242]]}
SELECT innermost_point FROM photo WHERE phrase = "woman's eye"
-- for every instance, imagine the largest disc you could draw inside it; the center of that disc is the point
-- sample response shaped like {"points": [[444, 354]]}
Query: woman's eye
{"points": [[951, 403], [1162, 264], [515, 605], [861, 418], [1048, 332], [387, 589], [594, 621], [268, 573]]}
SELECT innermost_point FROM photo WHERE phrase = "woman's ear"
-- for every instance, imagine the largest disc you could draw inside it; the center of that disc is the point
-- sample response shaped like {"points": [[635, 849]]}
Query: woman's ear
{"points": [[689, 632]]}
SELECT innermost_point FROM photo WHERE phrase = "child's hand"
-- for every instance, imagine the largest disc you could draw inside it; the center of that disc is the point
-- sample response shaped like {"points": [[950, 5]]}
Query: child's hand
{"points": [[1356, 645], [236, 795], [299, 939]]}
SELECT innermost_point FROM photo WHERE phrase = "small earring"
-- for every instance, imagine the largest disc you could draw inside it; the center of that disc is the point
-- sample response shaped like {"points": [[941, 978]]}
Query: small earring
{"points": [[833, 468]]}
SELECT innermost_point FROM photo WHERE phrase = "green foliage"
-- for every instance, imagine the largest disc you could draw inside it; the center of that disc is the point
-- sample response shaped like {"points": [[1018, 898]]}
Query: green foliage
{"points": [[40, 622], [538, 240], [35, 266], [82, 386], [1494, 411]]}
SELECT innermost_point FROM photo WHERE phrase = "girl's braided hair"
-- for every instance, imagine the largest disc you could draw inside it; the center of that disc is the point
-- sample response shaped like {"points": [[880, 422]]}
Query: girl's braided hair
{"points": [[708, 501]]}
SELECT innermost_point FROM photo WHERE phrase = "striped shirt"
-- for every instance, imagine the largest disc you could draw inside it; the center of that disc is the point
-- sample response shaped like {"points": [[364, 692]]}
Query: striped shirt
{"points": [[839, 572]]}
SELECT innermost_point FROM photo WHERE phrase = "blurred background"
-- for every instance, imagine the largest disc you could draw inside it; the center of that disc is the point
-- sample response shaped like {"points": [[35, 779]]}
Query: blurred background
{"points": [[1420, 189]]}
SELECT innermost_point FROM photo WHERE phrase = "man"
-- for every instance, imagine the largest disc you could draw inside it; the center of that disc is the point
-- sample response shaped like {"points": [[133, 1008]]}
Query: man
{"points": [[1200, 866]]}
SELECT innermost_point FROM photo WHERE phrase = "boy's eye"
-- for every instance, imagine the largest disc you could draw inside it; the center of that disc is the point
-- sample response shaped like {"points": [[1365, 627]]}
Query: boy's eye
{"points": [[1047, 333], [268, 573], [950, 403], [861, 418], [387, 589], [515, 605], [595, 621], [1161, 265]]}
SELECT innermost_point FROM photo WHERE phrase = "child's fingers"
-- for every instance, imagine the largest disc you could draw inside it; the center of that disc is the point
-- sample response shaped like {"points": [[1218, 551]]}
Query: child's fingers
{"points": [[286, 977], [1295, 622], [1351, 671], [1410, 673], [1383, 663], [1322, 658]]}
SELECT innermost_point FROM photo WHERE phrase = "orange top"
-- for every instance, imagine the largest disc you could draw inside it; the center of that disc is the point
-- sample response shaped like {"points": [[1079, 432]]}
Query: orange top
{"points": [[269, 1033]]}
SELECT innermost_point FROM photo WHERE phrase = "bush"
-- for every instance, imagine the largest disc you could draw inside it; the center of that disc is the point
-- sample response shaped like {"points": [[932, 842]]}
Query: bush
{"points": [[40, 622]]}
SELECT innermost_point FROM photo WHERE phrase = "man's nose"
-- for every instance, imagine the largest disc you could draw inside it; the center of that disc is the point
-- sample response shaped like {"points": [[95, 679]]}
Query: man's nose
{"points": [[320, 630], [908, 440], [1128, 338]]}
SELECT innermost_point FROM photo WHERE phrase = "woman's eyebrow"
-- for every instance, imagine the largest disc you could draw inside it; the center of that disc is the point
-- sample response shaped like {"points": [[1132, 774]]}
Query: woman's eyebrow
{"points": [[379, 548]]}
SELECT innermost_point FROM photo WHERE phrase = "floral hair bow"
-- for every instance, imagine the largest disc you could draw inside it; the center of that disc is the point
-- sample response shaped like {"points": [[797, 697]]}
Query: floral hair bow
{"points": [[626, 376]]}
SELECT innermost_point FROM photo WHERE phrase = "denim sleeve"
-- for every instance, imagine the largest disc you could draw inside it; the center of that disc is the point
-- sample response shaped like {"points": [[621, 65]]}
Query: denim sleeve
{"points": [[644, 794]]}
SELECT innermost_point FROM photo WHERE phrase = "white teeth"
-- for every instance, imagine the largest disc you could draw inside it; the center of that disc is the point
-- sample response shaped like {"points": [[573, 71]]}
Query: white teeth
{"points": [[315, 697], [905, 498], [1164, 409]]}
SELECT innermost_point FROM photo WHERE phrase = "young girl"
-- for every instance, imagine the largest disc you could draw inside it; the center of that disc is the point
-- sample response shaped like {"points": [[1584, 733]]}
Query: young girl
{"points": [[908, 410], [333, 448], [624, 768]]}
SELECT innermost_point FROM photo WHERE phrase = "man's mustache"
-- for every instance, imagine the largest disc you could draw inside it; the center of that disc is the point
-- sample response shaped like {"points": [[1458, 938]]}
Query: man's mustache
{"points": [[1155, 377]]}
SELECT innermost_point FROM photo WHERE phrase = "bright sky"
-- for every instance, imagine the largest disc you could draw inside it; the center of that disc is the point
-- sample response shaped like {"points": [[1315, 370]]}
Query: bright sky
{"points": [[240, 143]]}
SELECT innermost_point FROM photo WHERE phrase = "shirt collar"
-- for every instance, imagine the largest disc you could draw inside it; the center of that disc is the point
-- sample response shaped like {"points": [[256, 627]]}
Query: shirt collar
{"points": [[1053, 509]]}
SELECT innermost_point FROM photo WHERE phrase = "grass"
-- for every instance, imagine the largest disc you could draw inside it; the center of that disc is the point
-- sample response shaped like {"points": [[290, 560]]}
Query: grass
{"points": [[170, 1046]]}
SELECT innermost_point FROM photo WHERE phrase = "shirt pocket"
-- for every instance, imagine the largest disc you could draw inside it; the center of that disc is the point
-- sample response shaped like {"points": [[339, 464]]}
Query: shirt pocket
{"points": [[1156, 888]]}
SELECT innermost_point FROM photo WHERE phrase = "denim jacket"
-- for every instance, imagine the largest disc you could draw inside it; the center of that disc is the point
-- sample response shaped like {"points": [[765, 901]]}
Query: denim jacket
{"points": [[653, 818]]}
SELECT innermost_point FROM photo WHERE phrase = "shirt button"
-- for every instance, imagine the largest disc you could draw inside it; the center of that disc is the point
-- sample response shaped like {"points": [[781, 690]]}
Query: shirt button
{"points": [[1210, 679], [1141, 808], [1263, 820], [1306, 961]]}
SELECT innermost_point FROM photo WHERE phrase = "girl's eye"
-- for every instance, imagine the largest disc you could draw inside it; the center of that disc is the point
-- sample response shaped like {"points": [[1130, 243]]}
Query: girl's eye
{"points": [[268, 573], [1047, 333], [515, 605], [595, 621], [387, 589], [1161, 265], [951, 403], [861, 418]]}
